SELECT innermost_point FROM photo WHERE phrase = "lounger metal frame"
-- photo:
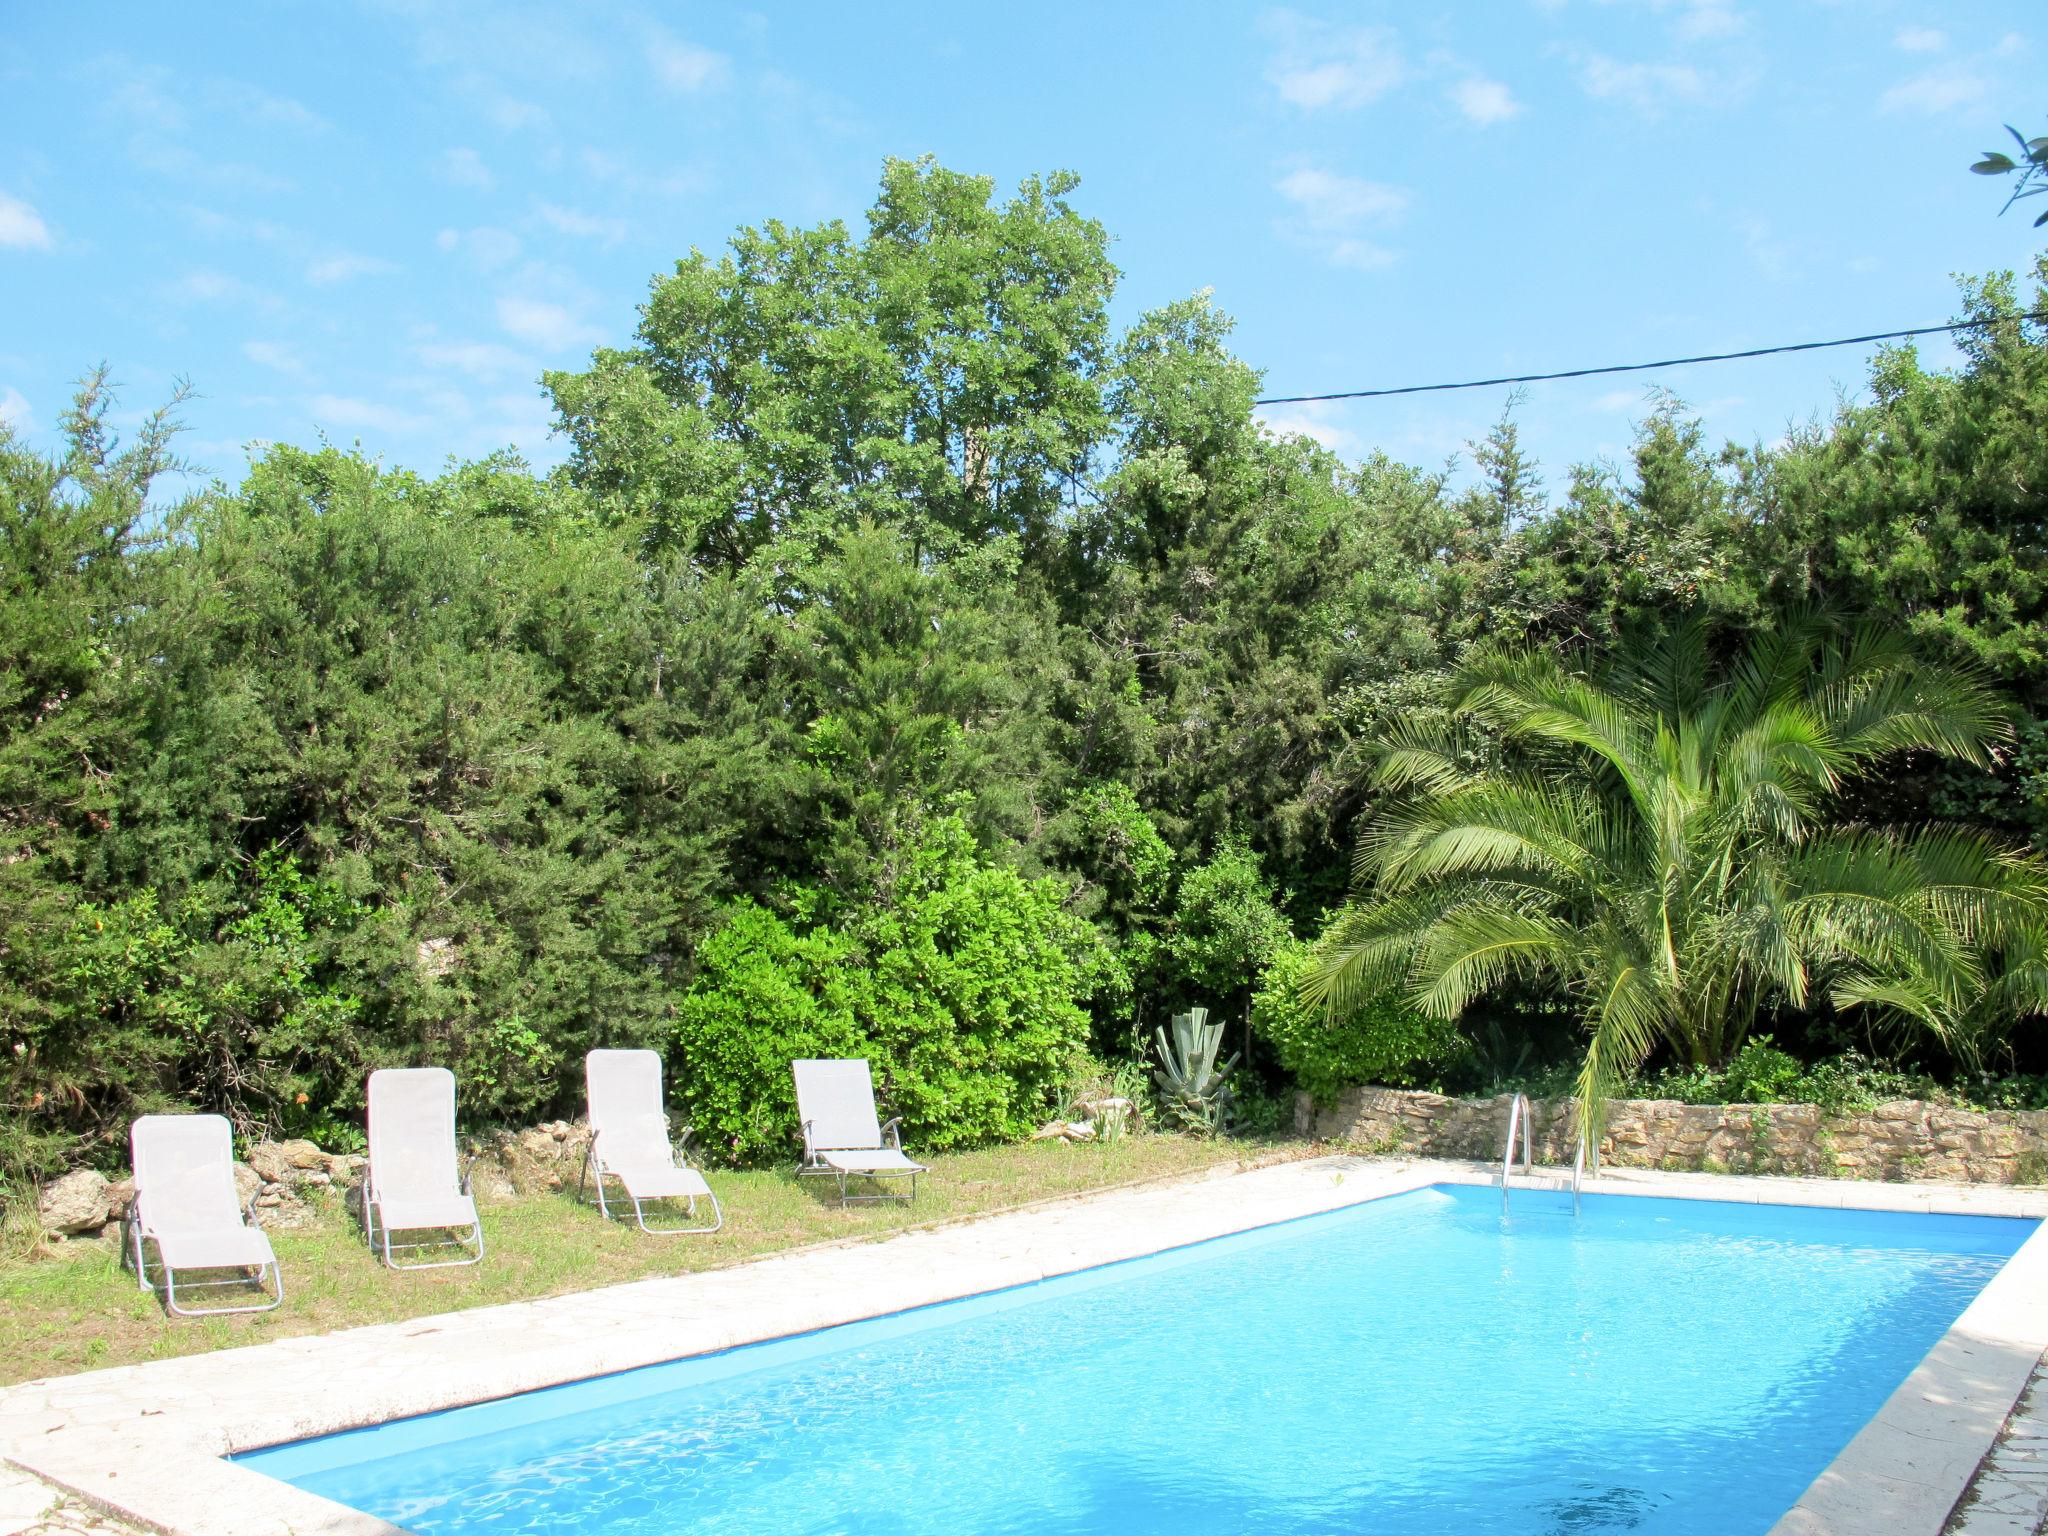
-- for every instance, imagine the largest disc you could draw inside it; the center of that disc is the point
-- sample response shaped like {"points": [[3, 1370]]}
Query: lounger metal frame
{"points": [[474, 1255], [134, 1247], [814, 1163], [593, 1164]]}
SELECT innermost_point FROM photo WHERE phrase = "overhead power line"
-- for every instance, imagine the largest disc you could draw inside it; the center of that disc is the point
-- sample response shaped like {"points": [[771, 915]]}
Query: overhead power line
{"points": [[1669, 362]]}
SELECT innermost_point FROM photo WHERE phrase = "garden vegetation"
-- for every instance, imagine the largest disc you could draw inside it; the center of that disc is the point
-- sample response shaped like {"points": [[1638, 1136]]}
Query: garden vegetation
{"points": [[908, 662]]}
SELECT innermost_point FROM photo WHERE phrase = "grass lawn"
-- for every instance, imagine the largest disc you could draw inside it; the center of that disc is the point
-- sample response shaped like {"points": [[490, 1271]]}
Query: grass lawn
{"points": [[73, 1308]]}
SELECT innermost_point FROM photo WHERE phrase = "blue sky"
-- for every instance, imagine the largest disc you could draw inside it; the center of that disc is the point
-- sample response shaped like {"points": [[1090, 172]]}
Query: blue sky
{"points": [[381, 221]]}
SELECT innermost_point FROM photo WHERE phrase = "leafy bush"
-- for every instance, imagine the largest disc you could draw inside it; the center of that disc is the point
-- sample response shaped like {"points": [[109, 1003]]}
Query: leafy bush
{"points": [[1850, 1083], [1383, 1041], [1226, 925], [964, 994]]}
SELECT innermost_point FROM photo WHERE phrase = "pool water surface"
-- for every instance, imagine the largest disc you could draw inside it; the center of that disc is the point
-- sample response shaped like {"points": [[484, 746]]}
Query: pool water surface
{"points": [[1413, 1364]]}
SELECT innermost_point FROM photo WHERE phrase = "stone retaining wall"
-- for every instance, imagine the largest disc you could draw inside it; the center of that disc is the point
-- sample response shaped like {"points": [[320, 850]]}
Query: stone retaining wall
{"points": [[1909, 1139], [285, 1180]]}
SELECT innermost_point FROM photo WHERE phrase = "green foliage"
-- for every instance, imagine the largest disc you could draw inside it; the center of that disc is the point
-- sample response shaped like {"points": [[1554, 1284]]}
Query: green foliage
{"points": [[1656, 841], [941, 374], [1226, 925], [883, 580], [1383, 1040], [2030, 165], [964, 993], [1193, 1088]]}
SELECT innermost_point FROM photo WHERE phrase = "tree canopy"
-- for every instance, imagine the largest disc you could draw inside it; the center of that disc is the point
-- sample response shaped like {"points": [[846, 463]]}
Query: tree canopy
{"points": [[885, 579]]}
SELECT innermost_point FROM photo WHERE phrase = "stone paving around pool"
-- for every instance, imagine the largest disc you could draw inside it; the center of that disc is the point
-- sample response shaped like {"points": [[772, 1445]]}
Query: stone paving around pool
{"points": [[147, 1441], [31, 1507], [2009, 1495]]}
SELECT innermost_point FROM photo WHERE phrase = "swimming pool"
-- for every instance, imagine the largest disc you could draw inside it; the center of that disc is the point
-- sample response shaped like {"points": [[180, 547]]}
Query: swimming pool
{"points": [[1415, 1363]]}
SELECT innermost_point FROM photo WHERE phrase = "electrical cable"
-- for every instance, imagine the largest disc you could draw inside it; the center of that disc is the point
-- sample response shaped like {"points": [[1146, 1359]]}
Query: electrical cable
{"points": [[1669, 362]]}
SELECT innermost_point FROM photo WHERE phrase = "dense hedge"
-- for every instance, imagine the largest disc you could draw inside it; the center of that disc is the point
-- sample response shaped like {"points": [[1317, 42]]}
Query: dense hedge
{"points": [[1384, 1041], [964, 994], [903, 661]]}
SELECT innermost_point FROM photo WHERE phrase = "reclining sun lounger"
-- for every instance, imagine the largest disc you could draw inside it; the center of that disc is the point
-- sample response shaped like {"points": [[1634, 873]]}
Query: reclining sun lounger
{"points": [[629, 1140], [836, 1102], [185, 1204], [411, 1183]]}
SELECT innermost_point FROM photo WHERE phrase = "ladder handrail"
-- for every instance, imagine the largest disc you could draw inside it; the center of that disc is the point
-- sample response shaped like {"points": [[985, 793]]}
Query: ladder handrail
{"points": [[1518, 1119], [1587, 1156]]}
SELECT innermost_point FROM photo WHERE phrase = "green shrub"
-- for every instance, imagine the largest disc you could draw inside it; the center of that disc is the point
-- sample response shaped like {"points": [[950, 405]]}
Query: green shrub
{"points": [[964, 994], [1846, 1084], [1384, 1041]]}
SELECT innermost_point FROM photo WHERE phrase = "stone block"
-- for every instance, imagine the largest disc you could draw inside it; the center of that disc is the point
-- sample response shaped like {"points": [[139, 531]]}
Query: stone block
{"points": [[77, 1202]]}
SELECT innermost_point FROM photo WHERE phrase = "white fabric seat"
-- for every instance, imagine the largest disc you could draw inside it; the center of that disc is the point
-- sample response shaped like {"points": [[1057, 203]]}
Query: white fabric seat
{"points": [[185, 1204], [629, 1140], [886, 1160], [412, 1183], [843, 1136]]}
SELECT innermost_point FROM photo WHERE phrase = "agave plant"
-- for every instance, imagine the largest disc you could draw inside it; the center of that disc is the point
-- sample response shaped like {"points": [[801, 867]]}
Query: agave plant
{"points": [[1195, 1089]]}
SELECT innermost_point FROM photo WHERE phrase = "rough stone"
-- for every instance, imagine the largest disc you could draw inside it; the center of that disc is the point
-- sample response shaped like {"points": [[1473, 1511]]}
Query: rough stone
{"points": [[302, 1155], [269, 1161], [75, 1203], [1906, 1139]]}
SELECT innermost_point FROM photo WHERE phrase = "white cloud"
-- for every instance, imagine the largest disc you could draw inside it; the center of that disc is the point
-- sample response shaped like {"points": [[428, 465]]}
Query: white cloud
{"points": [[1707, 19], [550, 327], [1483, 101], [607, 168], [1329, 201], [1947, 89], [487, 362], [1361, 255], [275, 355], [271, 111], [202, 285], [1617, 400], [15, 409], [1330, 211], [1773, 257], [21, 227], [1698, 21], [1919, 40], [1312, 418], [1316, 65], [464, 167], [488, 247], [583, 226], [343, 265], [499, 106], [350, 413], [683, 66], [1649, 88]]}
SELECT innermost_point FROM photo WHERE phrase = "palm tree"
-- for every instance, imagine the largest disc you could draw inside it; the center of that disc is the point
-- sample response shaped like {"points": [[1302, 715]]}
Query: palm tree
{"points": [[1659, 842]]}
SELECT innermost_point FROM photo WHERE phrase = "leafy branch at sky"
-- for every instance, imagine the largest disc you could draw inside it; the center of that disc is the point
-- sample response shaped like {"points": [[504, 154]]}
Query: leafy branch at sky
{"points": [[2031, 167]]}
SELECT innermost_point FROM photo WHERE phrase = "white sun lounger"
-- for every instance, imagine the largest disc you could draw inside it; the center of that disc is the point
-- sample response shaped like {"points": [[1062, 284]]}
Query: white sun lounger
{"points": [[411, 1183], [185, 1204], [629, 1140], [836, 1102]]}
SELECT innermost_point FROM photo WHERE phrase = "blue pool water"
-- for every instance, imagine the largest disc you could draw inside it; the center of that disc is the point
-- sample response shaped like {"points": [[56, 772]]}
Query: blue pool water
{"points": [[1416, 1364]]}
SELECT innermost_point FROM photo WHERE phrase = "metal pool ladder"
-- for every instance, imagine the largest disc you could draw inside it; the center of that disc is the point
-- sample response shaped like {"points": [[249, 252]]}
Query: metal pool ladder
{"points": [[1586, 1160], [1582, 1159], [1518, 1123]]}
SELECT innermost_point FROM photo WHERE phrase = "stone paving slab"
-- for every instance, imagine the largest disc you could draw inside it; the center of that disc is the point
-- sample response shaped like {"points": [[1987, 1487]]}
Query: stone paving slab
{"points": [[31, 1507], [147, 1440], [2009, 1496]]}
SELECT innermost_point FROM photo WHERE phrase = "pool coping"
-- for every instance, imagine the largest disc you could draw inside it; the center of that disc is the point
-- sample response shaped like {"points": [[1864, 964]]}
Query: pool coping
{"points": [[147, 1441]]}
